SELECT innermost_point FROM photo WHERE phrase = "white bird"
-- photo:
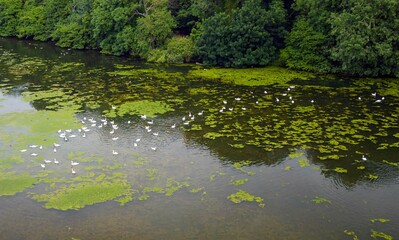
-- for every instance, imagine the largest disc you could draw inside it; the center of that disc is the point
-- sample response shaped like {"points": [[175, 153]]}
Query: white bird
{"points": [[112, 131], [72, 136], [47, 161], [364, 158], [155, 134], [224, 102], [288, 89], [56, 145], [154, 148], [33, 146], [74, 163], [231, 109], [374, 94], [151, 122], [138, 140], [277, 100], [55, 150], [115, 138], [114, 152], [23, 150], [73, 171], [173, 126], [244, 108], [84, 135], [68, 130], [56, 161], [113, 107], [359, 98], [40, 147], [186, 123], [237, 99], [312, 101], [292, 101], [143, 116], [265, 92], [135, 144], [128, 122], [183, 118], [43, 165], [34, 154], [200, 113], [284, 94], [114, 126]]}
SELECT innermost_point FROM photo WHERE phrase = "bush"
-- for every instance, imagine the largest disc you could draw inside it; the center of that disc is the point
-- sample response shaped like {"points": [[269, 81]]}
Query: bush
{"points": [[179, 50]]}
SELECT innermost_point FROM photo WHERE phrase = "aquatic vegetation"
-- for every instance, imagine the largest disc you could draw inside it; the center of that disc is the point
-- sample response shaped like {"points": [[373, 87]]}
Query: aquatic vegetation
{"points": [[243, 196], [79, 195], [240, 167], [144, 107], [375, 234], [237, 182], [321, 200], [34, 127], [250, 77], [303, 162], [351, 233], [381, 220], [340, 170], [6, 162], [372, 176], [173, 185], [12, 183]]}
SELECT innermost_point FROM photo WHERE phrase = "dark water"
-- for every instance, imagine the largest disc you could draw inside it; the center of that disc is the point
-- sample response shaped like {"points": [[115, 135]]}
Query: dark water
{"points": [[303, 160]]}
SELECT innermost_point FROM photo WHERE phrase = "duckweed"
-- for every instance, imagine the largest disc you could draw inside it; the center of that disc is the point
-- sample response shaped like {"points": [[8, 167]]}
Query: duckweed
{"points": [[243, 196], [79, 195], [12, 183], [321, 200], [144, 107]]}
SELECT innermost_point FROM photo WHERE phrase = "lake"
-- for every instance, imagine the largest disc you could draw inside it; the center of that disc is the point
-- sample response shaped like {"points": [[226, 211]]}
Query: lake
{"points": [[102, 147]]}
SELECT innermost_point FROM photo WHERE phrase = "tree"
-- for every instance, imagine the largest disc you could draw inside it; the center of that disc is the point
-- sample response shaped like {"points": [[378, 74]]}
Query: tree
{"points": [[367, 40], [9, 10], [306, 48], [153, 31], [244, 38]]}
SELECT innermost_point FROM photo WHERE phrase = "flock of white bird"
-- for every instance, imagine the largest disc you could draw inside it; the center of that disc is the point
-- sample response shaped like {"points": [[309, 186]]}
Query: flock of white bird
{"points": [[90, 123]]}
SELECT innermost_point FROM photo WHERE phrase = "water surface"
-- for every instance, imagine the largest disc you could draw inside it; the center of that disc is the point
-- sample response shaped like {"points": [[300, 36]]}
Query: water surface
{"points": [[313, 159]]}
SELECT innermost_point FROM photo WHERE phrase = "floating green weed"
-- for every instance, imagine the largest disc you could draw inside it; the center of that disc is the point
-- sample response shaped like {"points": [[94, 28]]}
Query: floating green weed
{"points": [[250, 77], [303, 162], [238, 181], [375, 235], [143, 107], [390, 163], [12, 183], [80, 195], [351, 233], [340, 170], [32, 127], [321, 200], [381, 220], [242, 196]]}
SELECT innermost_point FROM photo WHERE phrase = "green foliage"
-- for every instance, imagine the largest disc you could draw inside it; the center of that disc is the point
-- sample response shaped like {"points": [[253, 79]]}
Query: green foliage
{"points": [[244, 38], [179, 49], [31, 20], [366, 38], [305, 48], [9, 10], [153, 31]]}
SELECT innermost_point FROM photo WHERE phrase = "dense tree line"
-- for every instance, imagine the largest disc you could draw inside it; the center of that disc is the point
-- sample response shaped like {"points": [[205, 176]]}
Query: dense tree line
{"points": [[354, 37]]}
